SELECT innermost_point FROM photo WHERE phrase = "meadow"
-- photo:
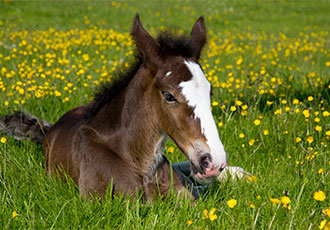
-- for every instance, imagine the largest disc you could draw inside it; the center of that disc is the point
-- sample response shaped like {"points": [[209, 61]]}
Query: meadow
{"points": [[269, 64]]}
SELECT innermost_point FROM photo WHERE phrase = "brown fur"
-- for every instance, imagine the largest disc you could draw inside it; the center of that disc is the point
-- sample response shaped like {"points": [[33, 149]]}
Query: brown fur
{"points": [[120, 140]]}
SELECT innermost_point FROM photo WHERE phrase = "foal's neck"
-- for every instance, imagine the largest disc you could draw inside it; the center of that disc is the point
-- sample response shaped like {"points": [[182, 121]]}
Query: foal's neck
{"points": [[132, 123]]}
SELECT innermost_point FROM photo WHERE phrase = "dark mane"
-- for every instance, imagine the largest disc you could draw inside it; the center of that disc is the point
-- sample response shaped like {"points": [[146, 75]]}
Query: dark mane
{"points": [[107, 91], [170, 43]]}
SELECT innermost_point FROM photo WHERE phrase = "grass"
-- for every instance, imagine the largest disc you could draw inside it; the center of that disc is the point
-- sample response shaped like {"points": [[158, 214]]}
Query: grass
{"points": [[267, 61]]}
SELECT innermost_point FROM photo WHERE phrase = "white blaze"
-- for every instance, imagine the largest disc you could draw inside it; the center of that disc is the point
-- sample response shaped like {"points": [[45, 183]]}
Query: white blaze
{"points": [[197, 93]]}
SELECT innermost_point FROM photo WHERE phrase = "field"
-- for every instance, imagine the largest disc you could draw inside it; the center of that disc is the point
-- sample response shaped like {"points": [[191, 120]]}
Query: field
{"points": [[269, 64]]}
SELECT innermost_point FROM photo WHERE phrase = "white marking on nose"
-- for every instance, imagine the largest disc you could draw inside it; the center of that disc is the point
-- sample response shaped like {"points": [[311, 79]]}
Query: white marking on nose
{"points": [[197, 93], [168, 73]]}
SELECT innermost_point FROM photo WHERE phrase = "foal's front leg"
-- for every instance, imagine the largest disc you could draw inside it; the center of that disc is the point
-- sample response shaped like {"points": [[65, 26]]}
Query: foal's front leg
{"points": [[167, 178]]}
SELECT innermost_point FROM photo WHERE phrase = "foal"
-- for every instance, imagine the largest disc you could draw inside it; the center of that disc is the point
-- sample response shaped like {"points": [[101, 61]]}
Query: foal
{"points": [[119, 137]]}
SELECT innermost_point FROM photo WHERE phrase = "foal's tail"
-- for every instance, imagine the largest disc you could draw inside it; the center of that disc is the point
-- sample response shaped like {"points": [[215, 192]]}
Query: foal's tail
{"points": [[23, 126]]}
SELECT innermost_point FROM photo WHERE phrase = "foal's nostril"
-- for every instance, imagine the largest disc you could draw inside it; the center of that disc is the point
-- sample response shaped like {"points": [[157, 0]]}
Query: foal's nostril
{"points": [[204, 161], [223, 166]]}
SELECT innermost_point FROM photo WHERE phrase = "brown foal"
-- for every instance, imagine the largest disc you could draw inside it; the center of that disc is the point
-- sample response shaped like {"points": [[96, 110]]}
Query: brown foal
{"points": [[119, 137]]}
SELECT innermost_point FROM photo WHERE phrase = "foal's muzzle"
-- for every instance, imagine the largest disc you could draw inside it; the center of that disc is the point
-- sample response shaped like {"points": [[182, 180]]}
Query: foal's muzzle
{"points": [[206, 167]]}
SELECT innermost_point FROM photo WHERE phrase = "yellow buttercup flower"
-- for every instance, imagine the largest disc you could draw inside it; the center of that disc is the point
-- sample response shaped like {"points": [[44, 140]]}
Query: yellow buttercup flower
{"points": [[310, 139], [286, 201], [251, 142], [232, 203], [170, 149], [252, 178], [3, 140], [238, 103], [269, 102], [321, 171], [319, 196], [306, 113], [206, 213], [215, 103], [274, 201], [318, 128], [256, 122], [251, 205], [325, 225], [326, 212], [212, 216]]}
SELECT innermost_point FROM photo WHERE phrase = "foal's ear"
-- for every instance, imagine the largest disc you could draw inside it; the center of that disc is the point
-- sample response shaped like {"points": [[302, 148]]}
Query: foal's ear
{"points": [[147, 45], [198, 37]]}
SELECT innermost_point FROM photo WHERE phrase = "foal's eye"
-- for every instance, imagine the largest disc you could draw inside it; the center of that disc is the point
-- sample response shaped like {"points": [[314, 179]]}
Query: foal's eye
{"points": [[168, 97]]}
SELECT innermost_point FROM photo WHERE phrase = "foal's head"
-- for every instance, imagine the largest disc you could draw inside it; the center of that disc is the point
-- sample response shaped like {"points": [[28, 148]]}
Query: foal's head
{"points": [[181, 96]]}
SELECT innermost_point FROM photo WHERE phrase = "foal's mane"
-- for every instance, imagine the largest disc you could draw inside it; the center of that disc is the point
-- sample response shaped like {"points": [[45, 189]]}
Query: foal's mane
{"points": [[171, 44]]}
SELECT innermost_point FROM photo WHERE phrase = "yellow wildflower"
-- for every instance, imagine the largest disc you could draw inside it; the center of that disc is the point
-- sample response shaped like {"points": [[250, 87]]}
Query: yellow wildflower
{"points": [[252, 178], [238, 103], [251, 142], [321, 171], [3, 140], [14, 214], [251, 205], [324, 225], [326, 212], [212, 216], [206, 213], [257, 122], [270, 102], [325, 113], [306, 113], [170, 149], [232, 203], [215, 103], [274, 201], [327, 226], [319, 196], [310, 139], [286, 201], [318, 128]]}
